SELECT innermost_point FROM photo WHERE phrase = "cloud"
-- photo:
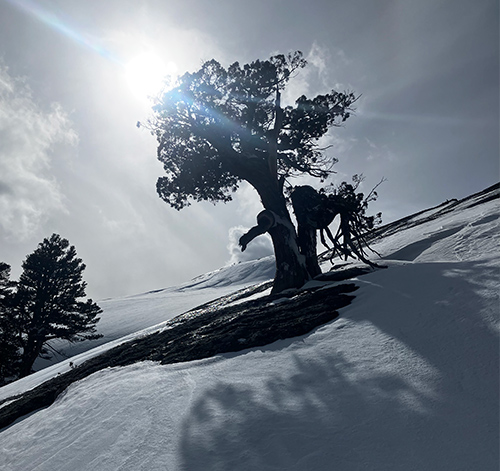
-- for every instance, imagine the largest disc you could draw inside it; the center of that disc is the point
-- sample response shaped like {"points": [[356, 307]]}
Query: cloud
{"points": [[248, 203], [317, 77], [248, 207], [29, 136], [318, 58], [259, 247]]}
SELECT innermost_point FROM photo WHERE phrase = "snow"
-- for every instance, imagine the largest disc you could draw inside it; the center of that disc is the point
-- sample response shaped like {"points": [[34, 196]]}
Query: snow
{"points": [[405, 379], [127, 317]]}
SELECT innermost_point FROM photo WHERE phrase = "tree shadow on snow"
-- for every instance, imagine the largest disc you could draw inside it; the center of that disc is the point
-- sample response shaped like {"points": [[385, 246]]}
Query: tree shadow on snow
{"points": [[327, 414], [447, 314], [316, 419]]}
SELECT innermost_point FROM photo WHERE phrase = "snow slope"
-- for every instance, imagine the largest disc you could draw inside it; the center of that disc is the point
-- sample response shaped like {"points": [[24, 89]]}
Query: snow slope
{"points": [[405, 379], [127, 315]]}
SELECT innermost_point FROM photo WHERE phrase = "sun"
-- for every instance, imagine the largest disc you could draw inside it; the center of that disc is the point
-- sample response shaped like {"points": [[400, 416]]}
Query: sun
{"points": [[145, 74]]}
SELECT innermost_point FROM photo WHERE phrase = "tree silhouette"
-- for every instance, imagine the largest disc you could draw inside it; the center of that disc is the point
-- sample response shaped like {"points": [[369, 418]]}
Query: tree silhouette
{"points": [[46, 301], [316, 210], [218, 127], [9, 346]]}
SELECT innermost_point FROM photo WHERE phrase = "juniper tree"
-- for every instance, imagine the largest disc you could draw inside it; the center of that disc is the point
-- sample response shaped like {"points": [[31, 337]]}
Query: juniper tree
{"points": [[47, 301], [218, 127]]}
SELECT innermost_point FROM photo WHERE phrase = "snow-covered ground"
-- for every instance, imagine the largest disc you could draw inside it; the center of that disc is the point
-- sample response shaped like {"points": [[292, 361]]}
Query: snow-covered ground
{"points": [[127, 318], [405, 379], [128, 315]]}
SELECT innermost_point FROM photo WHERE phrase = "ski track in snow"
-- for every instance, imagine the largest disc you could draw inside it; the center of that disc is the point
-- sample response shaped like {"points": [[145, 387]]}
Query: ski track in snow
{"points": [[405, 379]]}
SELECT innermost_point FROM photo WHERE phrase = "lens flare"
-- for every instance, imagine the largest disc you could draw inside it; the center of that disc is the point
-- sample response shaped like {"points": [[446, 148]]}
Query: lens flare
{"points": [[63, 26]]}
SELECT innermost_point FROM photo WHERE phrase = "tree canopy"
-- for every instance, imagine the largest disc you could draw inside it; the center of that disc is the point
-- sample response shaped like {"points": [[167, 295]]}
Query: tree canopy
{"points": [[9, 354], [46, 304], [217, 127]]}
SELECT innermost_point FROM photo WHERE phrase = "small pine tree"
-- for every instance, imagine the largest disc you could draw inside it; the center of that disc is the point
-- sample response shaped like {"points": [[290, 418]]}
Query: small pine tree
{"points": [[9, 344], [46, 301]]}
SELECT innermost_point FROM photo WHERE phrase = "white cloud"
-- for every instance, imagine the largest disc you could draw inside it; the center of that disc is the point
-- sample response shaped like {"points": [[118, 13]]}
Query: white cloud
{"points": [[259, 247], [248, 207], [248, 203], [29, 136]]}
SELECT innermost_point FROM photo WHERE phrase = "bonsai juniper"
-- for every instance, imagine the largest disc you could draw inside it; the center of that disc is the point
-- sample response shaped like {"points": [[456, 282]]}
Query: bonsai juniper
{"points": [[218, 127]]}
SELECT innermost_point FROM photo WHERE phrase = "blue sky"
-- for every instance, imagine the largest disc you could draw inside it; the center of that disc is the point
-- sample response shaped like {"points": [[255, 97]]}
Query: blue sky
{"points": [[73, 162]]}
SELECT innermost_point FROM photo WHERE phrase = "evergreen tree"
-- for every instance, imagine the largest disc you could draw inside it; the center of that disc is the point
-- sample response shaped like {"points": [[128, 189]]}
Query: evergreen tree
{"points": [[219, 127], [9, 342], [47, 300]]}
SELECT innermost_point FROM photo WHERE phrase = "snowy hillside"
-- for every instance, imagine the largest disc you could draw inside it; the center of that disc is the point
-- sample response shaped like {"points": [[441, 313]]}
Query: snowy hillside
{"points": [[405, 379], [131, 314]]}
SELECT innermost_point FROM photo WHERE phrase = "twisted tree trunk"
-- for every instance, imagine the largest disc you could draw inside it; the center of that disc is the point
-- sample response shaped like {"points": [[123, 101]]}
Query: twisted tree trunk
{"points": [[291, 271]]}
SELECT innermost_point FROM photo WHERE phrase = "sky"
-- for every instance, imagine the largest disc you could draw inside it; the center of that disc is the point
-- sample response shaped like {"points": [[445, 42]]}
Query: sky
{"points": [[72, 88]]}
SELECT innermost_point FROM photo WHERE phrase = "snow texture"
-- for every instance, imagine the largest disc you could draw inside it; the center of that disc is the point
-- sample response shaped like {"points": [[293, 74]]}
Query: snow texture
{"points": [[405, 379]]}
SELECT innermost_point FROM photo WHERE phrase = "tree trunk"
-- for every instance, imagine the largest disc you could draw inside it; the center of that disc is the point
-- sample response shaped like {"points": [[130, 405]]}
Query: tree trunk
{"points": [[31, 351], [307, 241], [311, 216], [291, 271]]}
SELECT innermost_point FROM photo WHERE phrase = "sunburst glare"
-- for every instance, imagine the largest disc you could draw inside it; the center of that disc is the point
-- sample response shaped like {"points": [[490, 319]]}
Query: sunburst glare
{"points": [[146, 73]]}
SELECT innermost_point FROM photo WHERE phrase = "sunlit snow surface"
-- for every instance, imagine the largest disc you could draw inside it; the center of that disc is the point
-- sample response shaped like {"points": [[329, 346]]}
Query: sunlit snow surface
{"points": [[405, 379]]}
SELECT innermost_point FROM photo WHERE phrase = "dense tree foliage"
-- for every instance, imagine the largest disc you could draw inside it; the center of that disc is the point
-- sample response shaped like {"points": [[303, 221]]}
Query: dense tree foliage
{"points": [[9, 351], [46, 304], [218, 127]]}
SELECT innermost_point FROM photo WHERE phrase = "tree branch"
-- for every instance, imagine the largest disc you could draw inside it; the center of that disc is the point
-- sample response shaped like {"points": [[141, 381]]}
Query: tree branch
{"points": [[273, 140]]}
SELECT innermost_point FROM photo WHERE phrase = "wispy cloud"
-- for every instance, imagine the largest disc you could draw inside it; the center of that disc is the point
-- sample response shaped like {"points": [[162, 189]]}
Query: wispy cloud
{"points": [[319, 74], [29, 136]]}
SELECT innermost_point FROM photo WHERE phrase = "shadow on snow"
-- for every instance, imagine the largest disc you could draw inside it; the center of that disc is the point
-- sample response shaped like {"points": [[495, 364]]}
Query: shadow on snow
{"points": [[336, 413]]}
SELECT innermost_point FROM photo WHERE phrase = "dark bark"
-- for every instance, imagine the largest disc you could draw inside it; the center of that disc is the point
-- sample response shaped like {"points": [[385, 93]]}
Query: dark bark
{"points": [[307, 240], [291, 271], [311, 215], [260, 171], [32, 349]]}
